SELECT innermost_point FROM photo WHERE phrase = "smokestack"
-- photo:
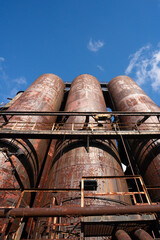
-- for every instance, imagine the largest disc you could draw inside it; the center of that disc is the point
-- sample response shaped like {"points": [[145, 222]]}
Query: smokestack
{"points": [[128, 96]]}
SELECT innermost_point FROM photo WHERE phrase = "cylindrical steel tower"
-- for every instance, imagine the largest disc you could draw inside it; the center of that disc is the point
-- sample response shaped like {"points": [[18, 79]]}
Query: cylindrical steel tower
{"points": [[57, 166], [72, 160], [24, 158], [128, 96]]}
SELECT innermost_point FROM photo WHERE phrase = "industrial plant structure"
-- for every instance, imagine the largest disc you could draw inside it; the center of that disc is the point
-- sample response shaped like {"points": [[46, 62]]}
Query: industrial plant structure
{"points": [[70, 169]]}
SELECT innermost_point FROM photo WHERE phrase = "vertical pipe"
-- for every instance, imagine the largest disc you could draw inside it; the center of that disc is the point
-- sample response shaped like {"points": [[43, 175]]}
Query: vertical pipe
{"points": [[43, 199], [27, 155], [45, 173], [128, 96]]}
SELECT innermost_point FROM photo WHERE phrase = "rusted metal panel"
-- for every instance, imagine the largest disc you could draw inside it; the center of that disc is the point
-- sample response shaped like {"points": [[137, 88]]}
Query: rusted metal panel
{"points": [[45, 94], [128, 96]]}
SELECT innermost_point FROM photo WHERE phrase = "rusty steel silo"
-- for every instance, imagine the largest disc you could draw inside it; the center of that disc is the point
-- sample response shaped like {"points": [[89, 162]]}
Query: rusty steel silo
{"points": [[128, 96], [24, 157], [72, 160]]}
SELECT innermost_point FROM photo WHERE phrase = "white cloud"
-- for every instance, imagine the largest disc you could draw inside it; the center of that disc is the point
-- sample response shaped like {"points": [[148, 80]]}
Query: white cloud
{"points": [[20, 81], [2, 59], [10, 85], [144, 65], [13, 92], [2, 104], [154, 73], [3, 74], [94, 46], [134, 58], [100, 67]]}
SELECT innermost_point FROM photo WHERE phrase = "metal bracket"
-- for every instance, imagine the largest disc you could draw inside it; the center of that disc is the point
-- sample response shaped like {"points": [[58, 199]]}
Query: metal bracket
{"points": [[87, 148], [86, 123], [139, 122], [5, 118], [65, 119]]}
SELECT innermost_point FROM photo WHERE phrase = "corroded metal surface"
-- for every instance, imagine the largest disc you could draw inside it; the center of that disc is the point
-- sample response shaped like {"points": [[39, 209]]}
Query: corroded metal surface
{"points": [[64, 211], [128, 96], [45, 94], [121, 235], [73, 133], [140, 234], [44, 177], [76, 158], [72, 160], [64, 113], [42, 198]]}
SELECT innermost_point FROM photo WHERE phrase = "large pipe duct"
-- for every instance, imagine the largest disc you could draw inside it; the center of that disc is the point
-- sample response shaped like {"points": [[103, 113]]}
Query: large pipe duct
{"points": [[66, 211], [24, 158], [128, 96]]}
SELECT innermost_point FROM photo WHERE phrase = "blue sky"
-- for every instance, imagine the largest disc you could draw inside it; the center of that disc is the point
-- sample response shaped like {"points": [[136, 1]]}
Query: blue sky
{"points": [[105, 38]]}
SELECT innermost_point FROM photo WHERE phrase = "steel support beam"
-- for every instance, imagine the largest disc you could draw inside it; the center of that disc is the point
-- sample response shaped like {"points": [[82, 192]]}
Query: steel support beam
{"points": [[116, 113], [69, 134]]}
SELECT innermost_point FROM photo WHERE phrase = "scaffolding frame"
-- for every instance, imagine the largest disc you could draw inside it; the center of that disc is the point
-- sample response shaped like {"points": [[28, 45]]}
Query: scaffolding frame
{"points": [[96, 130]]}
